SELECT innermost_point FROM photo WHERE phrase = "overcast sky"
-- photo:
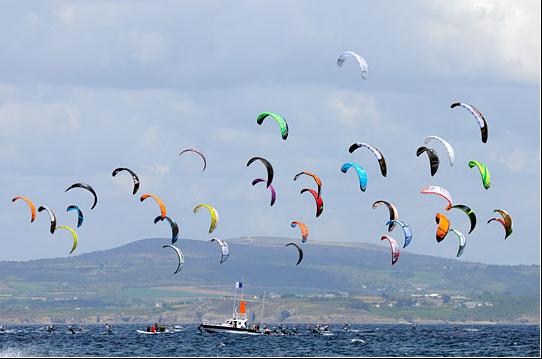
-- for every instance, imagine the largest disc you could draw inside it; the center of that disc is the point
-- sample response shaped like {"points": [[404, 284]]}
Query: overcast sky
{"points": [[89, 86]]}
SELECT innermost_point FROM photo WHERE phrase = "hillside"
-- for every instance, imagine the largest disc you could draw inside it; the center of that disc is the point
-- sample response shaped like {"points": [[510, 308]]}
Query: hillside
{"points": [[125, 276]]}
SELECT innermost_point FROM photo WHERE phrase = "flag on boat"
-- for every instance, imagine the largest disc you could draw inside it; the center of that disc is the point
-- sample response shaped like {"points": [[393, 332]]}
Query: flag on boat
{"points": [[242, 307], [238, 285]]}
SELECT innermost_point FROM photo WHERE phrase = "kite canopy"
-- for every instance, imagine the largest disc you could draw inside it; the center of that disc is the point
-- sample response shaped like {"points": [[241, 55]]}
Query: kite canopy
{"points": [[135, 178], [362, 174], [462, 241], [180, 256], [478, 115], [360, 60], [303, 228], [271, 188], [484, 173], [449, 148], [443, 226], [30, 205], [406, 230], [268, 167], [224, 248], [299, 251], [315, 177], [212, 211], [52, 217], [283, 125], [158, 201], [395, 252], [375, 152], [394, 214], [319, 201], [173, 225], [469, 212], [433, 158], [439, 191], [505, 220], [80, 217], [88, 188], [74, 235], [199, 153]]}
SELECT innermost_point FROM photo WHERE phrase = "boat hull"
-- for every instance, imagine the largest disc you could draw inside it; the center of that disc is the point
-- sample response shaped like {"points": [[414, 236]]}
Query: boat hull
{"points": [[209, 328], [151, 333]]}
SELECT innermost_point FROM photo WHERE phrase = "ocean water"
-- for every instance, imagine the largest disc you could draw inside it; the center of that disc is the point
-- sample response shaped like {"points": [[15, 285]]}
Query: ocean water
{"points": [[361, 340]]}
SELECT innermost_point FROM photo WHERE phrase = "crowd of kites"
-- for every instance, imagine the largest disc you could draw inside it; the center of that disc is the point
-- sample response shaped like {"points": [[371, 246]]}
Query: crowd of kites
{"points": [[443, 223]]}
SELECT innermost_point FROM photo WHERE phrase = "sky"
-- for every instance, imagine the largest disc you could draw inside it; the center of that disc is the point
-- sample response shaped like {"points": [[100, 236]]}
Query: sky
{"points": [[86, 87]]}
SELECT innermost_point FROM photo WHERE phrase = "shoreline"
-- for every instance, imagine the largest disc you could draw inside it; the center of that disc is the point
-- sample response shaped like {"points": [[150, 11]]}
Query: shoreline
{"points": [[420, 322]]}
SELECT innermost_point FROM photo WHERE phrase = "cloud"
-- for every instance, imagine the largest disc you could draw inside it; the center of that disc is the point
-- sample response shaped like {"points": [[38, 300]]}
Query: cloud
{"points": [[518, 161], [353, 109], [67, 14], [181, 45], [486, 36], [17, 118], [147, 47], [91, 86]]}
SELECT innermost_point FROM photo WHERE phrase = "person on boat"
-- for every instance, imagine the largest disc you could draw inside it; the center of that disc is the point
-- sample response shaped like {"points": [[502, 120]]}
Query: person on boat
{"points": [[153, 329], [2, 329], [108, 328], [148, 328], [346, 327]]}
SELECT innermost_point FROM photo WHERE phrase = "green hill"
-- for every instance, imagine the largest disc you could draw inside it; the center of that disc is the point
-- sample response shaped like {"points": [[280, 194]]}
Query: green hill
{"points": [[139, 273]]}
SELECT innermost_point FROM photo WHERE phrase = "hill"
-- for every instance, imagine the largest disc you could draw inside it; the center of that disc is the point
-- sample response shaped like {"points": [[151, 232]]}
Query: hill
{"points": [[360, 275]]}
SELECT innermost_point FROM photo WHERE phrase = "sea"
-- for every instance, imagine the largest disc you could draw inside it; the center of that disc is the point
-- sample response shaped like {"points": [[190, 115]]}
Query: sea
{"points": [[360, 340]]}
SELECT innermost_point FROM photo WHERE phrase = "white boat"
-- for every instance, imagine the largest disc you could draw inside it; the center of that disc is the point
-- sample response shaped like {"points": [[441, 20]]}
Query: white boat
{"points": [[152, 333], [238, 324], [233, 326], [146, 332]]}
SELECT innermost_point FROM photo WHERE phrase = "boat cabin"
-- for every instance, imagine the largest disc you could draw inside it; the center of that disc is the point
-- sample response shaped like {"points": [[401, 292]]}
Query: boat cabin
{"points": [[240, 323]]}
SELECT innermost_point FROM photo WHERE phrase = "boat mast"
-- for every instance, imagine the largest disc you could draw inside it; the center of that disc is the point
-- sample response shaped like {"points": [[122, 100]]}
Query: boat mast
{"points": [[234, 295], [263, 304]]}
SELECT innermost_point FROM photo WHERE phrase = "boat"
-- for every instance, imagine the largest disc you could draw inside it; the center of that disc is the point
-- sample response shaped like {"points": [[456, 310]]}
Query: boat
{"points": [[237, 324], [160, 329], [233, 326], [153, 333], [146, 332]]}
